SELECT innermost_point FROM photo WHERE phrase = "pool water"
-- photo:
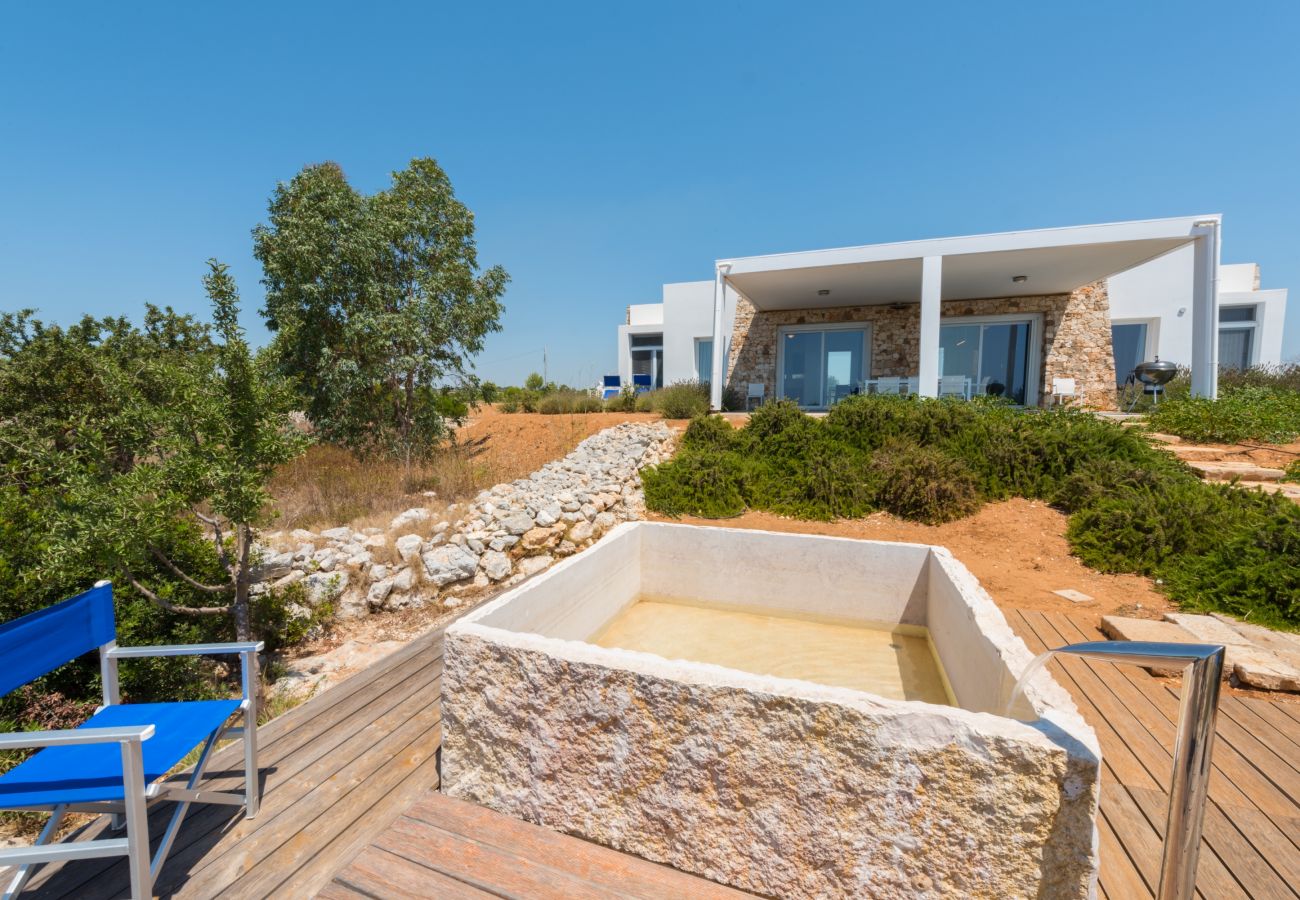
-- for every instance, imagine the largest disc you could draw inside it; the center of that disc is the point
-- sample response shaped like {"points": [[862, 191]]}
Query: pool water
{"points": [[897, 662]]}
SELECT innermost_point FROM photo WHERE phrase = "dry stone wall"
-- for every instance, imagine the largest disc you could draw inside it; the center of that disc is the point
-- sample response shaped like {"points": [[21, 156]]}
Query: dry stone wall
{"points": [[505, 534], [1076, 340]]}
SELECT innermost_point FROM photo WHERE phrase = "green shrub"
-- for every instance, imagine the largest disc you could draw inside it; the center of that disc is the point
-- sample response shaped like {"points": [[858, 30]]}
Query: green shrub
{"points": [[682, 400], [569, 401], [1249, 413], [645, 402], [704, 483], [623, 401], [924, 484], [1292, 471], [709, 432]]}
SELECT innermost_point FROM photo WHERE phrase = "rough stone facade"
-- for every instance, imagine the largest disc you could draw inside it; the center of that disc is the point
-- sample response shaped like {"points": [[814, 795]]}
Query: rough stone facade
{"points": [[1075, 336]]}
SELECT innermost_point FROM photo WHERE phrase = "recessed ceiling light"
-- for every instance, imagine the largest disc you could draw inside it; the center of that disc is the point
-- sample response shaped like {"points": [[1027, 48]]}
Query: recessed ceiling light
{"points": [[823, 292], [1019, 279]]}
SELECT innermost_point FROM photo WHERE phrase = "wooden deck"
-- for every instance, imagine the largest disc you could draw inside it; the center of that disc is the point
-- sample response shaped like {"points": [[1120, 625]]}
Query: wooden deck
{"points": [[351, 808], [1251, 839]]}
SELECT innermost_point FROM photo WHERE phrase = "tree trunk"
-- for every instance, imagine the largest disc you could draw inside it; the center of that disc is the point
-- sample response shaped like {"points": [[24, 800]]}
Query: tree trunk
{"points": [[240, 606]]}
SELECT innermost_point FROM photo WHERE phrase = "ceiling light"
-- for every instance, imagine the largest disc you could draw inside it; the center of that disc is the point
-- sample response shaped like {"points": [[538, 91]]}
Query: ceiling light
{"points": [[1019, 279], [823, 292]]}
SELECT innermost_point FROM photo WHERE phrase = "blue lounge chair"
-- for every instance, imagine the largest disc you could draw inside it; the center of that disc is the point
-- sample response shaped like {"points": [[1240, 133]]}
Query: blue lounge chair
{"points": [[613, 387], [80, 769], [641, 383]]}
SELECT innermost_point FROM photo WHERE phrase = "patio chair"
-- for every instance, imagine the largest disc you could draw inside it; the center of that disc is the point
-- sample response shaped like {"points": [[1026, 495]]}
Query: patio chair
{"points": [[954, 386], [613, 387], [891, 385], [755, 390], [1063, 390], [641, 384], [116, 761]]}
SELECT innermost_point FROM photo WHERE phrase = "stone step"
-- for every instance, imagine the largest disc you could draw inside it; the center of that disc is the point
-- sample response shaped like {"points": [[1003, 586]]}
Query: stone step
{"points": [[1252, 665], [1227, 471]]}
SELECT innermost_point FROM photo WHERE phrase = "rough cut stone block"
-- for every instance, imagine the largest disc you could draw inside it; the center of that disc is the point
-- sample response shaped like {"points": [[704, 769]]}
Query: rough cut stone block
{"points": [[1226, 471], [1284, 644], [1073, 596], [776, 786]]}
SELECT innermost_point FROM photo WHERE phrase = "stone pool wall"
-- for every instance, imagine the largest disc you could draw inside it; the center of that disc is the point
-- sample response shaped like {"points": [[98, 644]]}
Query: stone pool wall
{"points": [[781, 787]]}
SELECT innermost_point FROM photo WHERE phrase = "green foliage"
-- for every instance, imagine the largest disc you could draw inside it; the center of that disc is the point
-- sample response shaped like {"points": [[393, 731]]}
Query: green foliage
{"points": [[1248, 413], [534, 382], [923, 483], [623, 401], [374, 300], [1132, 508], [488, 392], [1292, 472], [681, 400], [569, 401], [141, 455]]}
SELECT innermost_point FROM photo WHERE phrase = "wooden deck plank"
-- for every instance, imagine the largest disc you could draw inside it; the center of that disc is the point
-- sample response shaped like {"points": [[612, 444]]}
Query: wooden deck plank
{"points": [[597, 864], [378, 873], [286, 778]]}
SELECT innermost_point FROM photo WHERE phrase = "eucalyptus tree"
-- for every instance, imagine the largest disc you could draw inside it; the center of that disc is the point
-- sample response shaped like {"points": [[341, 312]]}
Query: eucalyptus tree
{"points": [[374, 301]]}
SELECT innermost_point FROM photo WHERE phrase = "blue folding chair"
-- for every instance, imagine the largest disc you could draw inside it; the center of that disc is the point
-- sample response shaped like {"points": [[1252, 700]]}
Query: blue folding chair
{"points": [[613, 387], [641, 383], [79, 770]]}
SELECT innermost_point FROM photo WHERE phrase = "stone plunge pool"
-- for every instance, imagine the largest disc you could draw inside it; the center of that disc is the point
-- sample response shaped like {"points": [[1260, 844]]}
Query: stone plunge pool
{"points": [[788, 714]]}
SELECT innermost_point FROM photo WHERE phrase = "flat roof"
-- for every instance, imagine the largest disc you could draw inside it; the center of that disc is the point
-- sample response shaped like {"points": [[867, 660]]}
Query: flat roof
{"points": [[1053, 261]]}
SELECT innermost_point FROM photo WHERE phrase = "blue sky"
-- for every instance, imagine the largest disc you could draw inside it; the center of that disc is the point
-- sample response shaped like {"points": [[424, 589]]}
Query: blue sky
{"points": [[609, 148]]}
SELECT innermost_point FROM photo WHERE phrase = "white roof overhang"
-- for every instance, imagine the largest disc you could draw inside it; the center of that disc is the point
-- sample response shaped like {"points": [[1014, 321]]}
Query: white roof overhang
{"points": [[1054, 261]]}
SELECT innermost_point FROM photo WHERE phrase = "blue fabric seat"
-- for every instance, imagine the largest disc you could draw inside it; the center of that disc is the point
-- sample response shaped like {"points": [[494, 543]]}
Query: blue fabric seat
{"points": [[93, 772]]}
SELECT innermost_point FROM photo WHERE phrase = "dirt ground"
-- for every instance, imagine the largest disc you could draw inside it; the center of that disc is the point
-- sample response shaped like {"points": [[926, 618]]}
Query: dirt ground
{"points": [[1016, 548], [514, 445]]}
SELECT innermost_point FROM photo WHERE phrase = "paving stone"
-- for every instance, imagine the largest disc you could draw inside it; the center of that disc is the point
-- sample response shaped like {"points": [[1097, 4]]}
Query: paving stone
{"points": [[1283, 644], [1207, 629], [1226, 471], [1073, 596]]}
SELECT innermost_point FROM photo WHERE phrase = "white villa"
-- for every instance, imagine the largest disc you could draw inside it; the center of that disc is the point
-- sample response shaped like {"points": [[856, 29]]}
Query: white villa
{"points": [[1014, 314]]}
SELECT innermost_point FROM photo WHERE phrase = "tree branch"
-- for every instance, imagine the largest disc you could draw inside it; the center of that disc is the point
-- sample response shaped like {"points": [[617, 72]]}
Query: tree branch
{"points": [[172, 607], [176, 570], [217, 539]]}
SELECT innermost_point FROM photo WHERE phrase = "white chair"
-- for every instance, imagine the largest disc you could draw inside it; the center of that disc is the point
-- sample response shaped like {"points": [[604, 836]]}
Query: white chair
{"points": [[755, 390], [954, 386], [1063, 390], [892, 385]]}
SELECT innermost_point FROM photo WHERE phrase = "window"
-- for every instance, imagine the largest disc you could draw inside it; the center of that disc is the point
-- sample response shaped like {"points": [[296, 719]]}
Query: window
{"points": [[819, 366], [647, 359], [994, 356], [1236, 337], [704, 360], [1129, 342]]}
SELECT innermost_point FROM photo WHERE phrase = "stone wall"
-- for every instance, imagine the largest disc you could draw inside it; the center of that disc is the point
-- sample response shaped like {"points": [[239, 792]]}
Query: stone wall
{"points": [[1075, 335]]}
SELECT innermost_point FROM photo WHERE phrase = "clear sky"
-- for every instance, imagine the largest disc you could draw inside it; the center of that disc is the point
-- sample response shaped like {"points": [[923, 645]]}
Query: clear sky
{"points": [[611, 147]]}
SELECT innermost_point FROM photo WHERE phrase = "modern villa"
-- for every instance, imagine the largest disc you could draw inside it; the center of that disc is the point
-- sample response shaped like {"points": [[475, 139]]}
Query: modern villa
{"points": [[1023, 314]]}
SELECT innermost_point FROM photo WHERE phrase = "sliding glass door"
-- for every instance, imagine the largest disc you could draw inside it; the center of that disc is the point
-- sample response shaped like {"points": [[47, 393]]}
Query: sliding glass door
{"points": [[995, 356], [819, 366]]}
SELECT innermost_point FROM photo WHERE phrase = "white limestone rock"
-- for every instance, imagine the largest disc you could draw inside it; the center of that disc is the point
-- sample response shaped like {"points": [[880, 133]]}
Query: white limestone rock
{"points": [[495, 565], [408, 547], [409, 517], [444, 565]]}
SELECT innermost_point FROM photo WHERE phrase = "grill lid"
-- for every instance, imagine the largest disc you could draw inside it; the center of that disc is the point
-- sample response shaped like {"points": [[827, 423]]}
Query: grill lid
{"points": [[1155, 372]]}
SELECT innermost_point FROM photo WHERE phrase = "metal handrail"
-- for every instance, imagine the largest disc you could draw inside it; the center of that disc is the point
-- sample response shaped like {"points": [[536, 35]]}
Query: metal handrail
{"points": [[1198, 709]]}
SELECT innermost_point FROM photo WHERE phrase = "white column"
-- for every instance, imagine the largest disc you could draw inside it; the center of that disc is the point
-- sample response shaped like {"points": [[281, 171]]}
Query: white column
{"points": [[719, 338], [1205, 312], [931, 288]]}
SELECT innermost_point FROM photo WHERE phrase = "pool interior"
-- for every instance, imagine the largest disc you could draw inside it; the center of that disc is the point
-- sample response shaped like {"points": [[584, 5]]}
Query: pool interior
{"points": [[898, 662]]}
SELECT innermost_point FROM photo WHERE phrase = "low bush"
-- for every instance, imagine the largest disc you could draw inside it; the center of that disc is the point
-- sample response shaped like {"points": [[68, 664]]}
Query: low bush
{"points": [[569, 401], [1132, 508], [1247, 413], [682, 400], [623, 401]]}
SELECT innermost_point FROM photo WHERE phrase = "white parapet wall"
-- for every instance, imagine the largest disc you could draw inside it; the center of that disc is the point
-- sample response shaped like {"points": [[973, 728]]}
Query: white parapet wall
{"points": [[774, 785]]}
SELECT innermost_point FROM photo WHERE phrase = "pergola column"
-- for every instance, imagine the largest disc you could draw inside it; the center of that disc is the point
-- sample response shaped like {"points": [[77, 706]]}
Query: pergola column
{"points": [[1205, 311], [928, 357], [719, 370]]}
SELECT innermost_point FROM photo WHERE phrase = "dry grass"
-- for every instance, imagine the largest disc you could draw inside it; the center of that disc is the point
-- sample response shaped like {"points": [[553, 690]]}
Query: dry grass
{"points": [[328, 486]]}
